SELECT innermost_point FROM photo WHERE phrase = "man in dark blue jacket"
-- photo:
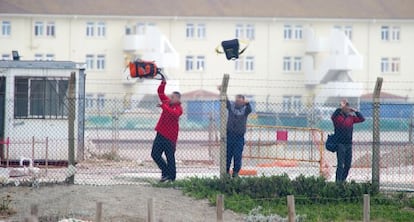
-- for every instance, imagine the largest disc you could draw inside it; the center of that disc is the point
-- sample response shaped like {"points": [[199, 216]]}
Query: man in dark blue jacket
{"points": [[343, 119], [238, 111]]}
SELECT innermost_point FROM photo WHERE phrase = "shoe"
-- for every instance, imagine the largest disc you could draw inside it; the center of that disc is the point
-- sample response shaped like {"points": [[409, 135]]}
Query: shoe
{"points": [[164, 179], [235, 175]]}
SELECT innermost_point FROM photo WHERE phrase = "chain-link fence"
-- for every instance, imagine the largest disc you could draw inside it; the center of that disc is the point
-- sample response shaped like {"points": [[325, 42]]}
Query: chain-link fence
{"points": [[114, 144]]}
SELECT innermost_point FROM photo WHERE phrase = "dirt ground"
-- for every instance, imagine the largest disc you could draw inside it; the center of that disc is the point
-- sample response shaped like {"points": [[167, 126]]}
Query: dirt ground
{"points": [[120, 203]]}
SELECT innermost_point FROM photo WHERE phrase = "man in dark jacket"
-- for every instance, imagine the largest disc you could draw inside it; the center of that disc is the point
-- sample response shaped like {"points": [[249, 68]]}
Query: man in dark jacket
{"points": [[238, 111], [343, 119], [167, 133]]}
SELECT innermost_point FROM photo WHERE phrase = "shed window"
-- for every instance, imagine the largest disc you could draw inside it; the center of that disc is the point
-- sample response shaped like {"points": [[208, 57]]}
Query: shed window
{"points": [[40, 98]]}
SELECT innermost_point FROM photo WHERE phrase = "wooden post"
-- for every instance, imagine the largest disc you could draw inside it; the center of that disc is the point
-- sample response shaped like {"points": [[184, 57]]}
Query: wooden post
{"points": [[7, 152], [98, 216], [33, 149], [367, 208], [220, 207], [71, 125], [291, 208], [376, 134], [150, 206], [47, 154], [223, 124], [34, 210]]}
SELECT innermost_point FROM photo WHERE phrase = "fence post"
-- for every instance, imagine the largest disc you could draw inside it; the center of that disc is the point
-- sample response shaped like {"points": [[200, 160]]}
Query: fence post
{"points": [[291, 208], [98, 216], [220, 207], [71, 126], [367, 208], [150, 206], [376, 134], [223, 126], [80, 154]]}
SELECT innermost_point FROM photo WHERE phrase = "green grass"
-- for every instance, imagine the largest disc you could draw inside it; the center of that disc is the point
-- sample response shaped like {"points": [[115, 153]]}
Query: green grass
{"points": [[315, 198]]}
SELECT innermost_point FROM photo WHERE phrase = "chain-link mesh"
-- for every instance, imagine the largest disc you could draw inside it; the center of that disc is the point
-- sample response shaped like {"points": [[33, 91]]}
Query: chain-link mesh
{"points": [[118, 137]]}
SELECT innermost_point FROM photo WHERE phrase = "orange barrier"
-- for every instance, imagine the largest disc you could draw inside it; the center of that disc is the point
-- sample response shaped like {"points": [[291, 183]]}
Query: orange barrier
{"points": [[284, 146]]}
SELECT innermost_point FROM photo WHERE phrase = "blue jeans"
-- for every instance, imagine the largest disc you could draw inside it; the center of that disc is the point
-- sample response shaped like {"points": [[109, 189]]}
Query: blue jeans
{"points": [[235, 144], [344, 158], [163, 145]]}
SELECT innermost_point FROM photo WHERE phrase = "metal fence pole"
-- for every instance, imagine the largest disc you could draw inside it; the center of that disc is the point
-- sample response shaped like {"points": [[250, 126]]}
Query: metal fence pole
{"points": [[71, 126], [223, 124], [376, 134]]}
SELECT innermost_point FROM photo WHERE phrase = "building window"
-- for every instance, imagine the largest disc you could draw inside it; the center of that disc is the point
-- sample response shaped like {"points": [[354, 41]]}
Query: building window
{"points": [[38, 97], [298, 32], [100, 102], [140, 28], [5, 28], [101, 29], [5, 57], [286, 64], [189, 31], [200, 63], [100, 62], [50, 29], [38, 57], [385, 32], [286, 104], [390, 65], [238, 65], [348, 32], [239, 31], [90, 26], [189, 63], [395, 65], [384, 65], [245, 31], [38, 29], [297, 64], [50, 57], [89, 101], [346, 29], [292, 64], [250, 33], [201, 31], [244, 64], [249, 64], [292, 104], [89, 61], [287, 32], [395, 33]]}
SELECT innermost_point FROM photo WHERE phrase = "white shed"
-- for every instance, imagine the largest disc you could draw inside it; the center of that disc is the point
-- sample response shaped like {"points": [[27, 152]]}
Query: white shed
{"points": [[34, 109]]}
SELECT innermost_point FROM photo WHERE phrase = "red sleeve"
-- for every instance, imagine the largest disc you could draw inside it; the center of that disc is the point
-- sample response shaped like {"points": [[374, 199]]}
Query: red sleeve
{"points": [[161, 93], [359, 118], [175, 111]]}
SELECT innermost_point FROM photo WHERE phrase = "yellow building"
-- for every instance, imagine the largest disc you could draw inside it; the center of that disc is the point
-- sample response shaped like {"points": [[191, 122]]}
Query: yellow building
{"points": [[299, 51]]}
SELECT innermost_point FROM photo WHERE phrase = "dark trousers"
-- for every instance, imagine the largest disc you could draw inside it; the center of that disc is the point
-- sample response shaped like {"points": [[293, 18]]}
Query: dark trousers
{"points": [[235, 144], [344, 158], [163, 145]]}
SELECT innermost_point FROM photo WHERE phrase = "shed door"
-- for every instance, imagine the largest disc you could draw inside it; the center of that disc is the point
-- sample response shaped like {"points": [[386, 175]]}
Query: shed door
{"points": [[2, 110]]}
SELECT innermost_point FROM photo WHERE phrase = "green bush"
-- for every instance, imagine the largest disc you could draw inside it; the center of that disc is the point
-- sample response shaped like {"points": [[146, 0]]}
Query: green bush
{"points": [[305, 189], [316, 199]]}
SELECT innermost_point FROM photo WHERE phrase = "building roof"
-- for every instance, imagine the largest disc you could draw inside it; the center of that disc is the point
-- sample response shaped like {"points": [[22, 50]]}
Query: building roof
{"points": [[200, 94], [356, 9], [37, 64], [383, 96]]}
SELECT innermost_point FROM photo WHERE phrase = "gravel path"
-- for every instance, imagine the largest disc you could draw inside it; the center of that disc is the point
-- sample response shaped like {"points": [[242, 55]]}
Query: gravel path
{"points": [[120, 203]]}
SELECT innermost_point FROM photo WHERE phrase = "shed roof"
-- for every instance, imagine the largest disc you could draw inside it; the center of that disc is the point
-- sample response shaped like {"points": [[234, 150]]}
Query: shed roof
{"points": [[37, 64]]}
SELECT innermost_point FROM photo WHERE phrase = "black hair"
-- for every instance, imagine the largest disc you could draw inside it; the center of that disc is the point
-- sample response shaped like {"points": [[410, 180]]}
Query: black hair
{"points": [[240, 96], [177, 93]]}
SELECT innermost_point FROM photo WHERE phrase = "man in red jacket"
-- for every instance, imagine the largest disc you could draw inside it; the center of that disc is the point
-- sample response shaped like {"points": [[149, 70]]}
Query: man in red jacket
{"points": [[167, 133]]}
